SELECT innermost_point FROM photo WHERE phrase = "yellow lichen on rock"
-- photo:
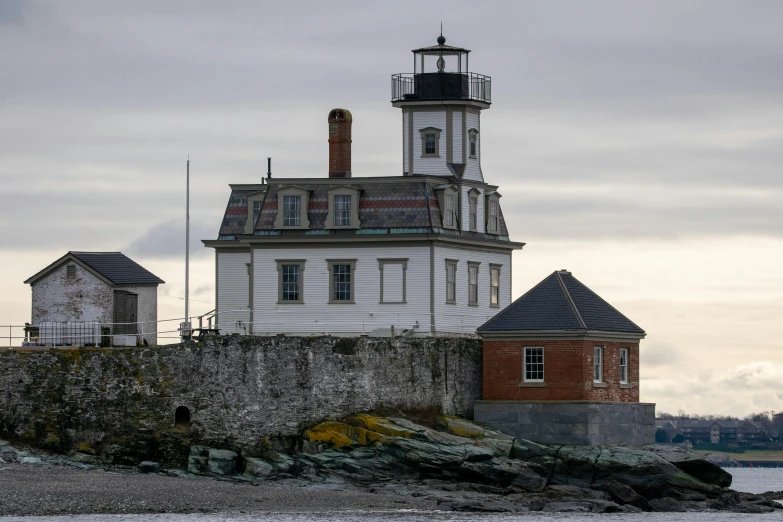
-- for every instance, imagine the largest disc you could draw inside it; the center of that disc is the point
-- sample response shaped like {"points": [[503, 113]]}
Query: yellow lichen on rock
{"points": [[338, 434], [380, 425], [462, 427]]}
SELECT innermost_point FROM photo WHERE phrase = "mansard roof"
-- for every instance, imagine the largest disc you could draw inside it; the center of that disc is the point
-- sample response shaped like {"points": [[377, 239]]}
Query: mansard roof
{"points": [[561, 303], [408, 203]]}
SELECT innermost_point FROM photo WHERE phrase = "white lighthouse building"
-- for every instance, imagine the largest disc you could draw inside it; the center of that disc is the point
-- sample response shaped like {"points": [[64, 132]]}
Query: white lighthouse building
{"points": [[424, 253]]}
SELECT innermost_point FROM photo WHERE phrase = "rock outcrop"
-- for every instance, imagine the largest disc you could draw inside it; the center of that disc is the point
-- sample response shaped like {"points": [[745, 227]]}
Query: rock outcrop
{"points": [[466, 467]]}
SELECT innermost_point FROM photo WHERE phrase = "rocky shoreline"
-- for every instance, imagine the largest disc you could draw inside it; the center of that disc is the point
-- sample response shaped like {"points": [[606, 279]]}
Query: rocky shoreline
{"points": [[374, 462]]}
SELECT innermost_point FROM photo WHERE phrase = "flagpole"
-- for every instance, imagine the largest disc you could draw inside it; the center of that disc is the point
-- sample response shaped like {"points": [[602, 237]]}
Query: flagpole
{"points": [[187, 247]]}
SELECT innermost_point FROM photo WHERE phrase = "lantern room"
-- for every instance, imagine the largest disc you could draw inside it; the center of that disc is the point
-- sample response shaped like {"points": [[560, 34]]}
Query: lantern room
{"points": [[440, 72]]}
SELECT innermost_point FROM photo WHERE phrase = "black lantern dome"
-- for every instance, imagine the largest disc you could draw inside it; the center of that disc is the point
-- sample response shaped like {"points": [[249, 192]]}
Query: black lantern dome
{"points": [[440, 72]]}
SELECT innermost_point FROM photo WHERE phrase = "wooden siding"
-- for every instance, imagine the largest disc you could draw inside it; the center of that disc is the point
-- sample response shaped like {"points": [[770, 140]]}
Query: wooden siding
{"points": [[233, 292], [316, 315], [421, 120], [458, 138], [473, 167], [392, 283], [460, 317], [466, 209], [405, 151]]}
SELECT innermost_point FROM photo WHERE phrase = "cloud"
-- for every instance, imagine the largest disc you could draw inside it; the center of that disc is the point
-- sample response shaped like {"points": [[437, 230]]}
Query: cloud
{"points": [[658, 354], [167, 240]]}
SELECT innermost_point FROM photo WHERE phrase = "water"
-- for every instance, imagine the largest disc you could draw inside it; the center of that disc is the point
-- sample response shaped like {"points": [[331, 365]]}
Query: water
{"points": [[752, 480]]}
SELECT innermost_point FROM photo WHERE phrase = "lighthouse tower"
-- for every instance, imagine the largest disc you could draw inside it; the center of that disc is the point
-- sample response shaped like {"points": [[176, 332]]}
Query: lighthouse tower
{"points": [[441, 104]]}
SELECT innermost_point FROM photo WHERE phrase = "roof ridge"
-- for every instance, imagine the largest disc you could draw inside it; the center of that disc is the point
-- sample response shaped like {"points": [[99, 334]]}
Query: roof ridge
{"points": [[514, 302], [608, 304], [570, 299]]}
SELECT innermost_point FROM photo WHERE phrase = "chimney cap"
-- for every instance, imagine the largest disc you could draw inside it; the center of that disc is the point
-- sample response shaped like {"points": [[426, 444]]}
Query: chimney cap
{"points": [[340, 114]]}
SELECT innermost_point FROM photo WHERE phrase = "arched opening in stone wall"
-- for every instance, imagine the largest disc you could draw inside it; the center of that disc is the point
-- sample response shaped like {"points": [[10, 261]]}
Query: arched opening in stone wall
{"points": [[182, 418]]}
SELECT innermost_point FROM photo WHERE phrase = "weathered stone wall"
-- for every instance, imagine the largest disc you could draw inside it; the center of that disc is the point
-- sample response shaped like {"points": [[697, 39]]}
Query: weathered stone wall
{"points": [[239, 390], [579, 422], [84, 298]]}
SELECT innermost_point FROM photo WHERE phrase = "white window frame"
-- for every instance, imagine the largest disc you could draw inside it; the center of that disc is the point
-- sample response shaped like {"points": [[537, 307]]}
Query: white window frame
{"points": [[472, 143], [333, 264], [451, 282], [494, 221], [304, 201], [598, 364], [473, 283], [300, 264], [525, 364], [292, 214], [342, 210], [450, 204], [494, 286], [624, 369], [473, 213]]}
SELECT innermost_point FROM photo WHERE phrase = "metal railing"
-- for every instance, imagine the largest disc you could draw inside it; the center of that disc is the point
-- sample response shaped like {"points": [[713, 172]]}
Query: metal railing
{"points": [[441, 86], [266, 322]]}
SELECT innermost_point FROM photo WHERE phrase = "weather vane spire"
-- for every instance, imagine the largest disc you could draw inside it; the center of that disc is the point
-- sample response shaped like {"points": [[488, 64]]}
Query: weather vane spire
{"points": [[441, 39]]}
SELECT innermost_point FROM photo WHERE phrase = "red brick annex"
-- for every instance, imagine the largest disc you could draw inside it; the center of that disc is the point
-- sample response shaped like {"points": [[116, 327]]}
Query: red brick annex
{"points": [[562, 365]]}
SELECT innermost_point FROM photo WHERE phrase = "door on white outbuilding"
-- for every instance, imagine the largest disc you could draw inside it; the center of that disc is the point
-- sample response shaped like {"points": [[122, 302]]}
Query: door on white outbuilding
{"points": [[126, 312]]}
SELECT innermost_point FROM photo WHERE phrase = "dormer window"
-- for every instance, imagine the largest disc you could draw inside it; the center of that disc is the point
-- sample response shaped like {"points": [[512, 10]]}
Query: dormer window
{"points": [[473, 140], [447, 200], [493, 213], [473, 195], [292, 203], [430, 142], [292, 210], [343, 207], [449, 215], [255, 203], [342, 211]]}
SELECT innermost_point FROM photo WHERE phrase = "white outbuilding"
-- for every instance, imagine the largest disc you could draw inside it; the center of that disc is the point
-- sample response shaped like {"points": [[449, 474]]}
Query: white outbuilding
{"points": [[87, 298]]}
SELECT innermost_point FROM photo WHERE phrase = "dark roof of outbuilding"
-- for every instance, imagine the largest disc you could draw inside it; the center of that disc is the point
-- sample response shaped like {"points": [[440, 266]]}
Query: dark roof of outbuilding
{"points": [[114, 267], [560, 302], [117, 268]]}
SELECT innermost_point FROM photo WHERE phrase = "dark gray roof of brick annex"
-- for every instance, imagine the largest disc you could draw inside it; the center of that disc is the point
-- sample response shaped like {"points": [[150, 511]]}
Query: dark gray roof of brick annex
{"points": [[560, 302], [117, 268]]}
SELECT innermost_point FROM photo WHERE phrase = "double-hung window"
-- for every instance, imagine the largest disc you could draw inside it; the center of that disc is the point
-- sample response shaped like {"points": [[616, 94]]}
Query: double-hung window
{"points": [[291, 281], [493, 216], [534, 364], [292, 207], [598, 364], [342, 211], [451, 282], [494, 286], [473, 207], [473, 284], [473, 137], [449, 210], [341, 275], [429, 143], [623, 365]]}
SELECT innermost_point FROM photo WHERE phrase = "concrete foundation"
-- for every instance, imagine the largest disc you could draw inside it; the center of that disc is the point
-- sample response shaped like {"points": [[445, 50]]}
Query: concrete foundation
{"points": [[573, 422]]}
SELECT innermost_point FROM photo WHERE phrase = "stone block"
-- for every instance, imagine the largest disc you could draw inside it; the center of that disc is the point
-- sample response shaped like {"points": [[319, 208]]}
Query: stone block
{"points": [[222, 462]]}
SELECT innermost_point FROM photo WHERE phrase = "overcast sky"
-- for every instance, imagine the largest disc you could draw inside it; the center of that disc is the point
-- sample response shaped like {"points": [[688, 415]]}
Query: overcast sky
{"points": [[638, 144]]}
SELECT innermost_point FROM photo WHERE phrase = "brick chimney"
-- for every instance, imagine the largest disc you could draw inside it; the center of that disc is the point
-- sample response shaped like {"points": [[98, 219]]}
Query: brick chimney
{"points": [[340, 143]]}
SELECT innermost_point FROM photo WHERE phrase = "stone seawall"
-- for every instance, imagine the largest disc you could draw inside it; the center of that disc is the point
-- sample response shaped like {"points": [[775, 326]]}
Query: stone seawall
{"points": [[578, 422], [239, 391]]}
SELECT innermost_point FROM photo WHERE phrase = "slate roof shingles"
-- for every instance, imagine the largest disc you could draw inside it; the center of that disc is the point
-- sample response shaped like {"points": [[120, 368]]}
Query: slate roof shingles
{"points": [[117, 268], [554, 303]]}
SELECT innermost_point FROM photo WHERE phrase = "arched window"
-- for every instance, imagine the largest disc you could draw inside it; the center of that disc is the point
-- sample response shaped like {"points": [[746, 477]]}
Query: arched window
{"points": [[182, 418]]}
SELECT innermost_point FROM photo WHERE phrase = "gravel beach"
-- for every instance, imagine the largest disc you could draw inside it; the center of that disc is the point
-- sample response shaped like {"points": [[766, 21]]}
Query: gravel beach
{"points": [[52, 490]]}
